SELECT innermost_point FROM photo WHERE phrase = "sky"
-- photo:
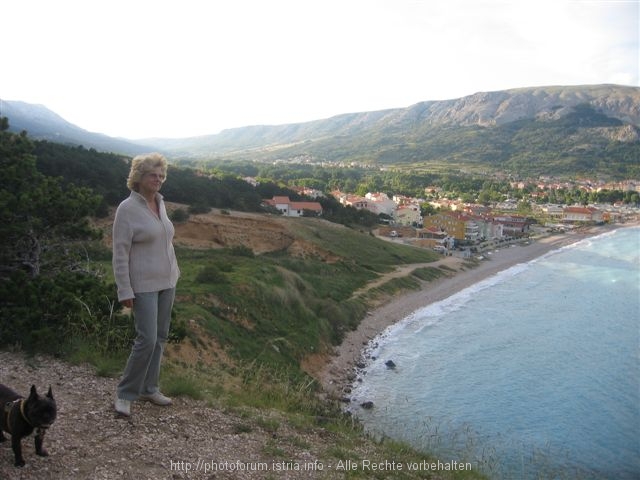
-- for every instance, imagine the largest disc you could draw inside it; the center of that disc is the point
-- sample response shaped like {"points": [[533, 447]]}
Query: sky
{"points": [[157, 68]]}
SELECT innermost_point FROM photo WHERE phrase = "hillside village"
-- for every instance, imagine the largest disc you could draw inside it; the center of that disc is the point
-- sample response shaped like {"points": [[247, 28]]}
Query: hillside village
{"points": [[454, 225]]}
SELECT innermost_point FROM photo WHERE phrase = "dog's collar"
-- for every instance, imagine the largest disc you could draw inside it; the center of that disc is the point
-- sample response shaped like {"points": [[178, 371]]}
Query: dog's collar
{"points": [[24, 415]]}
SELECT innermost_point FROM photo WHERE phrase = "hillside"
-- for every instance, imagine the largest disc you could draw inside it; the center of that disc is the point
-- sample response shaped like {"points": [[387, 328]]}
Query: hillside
{"points": [[43, 124], [251, 281], [260, 232], [555, 130], [581, 130], [483, 109], [258, 296]]}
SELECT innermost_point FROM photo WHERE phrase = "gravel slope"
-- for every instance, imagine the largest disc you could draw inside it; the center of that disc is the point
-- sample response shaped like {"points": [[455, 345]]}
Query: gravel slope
{"points": [[89, 441]]}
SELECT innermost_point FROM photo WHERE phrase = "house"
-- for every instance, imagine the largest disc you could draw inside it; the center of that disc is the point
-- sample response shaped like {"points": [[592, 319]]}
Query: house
{"points": [[509, 204], [488, 229], [354, 201], [380, 203], [581, 214], [308, 192], [251, 181], [402, 200], [441, 203], [407, 215], [477, 210], [450, 222], [434, 238], [513, 225], [553, 211], [432, 190], [294, 209]]}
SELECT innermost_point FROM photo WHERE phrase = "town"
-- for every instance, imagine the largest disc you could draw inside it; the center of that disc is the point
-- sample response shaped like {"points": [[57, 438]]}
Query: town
{"points": [[449, 225]]}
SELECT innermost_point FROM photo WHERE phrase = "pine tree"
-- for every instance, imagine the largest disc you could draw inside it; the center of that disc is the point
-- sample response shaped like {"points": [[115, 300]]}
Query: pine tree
{"points": [[48, 289]]}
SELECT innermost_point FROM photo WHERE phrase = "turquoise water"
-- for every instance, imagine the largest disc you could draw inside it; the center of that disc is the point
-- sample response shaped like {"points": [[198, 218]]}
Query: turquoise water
{"points": [[533, 373]]}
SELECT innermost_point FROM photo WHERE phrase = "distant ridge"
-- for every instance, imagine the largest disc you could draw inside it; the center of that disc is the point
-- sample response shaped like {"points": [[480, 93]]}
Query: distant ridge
{"points": [[43, 124], [535, 130], [483, 109]]}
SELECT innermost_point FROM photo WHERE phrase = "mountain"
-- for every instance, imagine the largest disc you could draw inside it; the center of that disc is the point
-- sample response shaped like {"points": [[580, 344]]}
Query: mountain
{"points": [[591, 129], [484, 109], [43, 124]]}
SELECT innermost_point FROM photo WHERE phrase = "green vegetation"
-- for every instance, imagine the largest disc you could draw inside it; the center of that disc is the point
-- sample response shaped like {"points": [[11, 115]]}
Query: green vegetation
{"points": [[585, 142], [257, 317], [52, 292], [274, 309], [268, 310], [219, 184], [410, 180], [261, 314], [201, 190]]}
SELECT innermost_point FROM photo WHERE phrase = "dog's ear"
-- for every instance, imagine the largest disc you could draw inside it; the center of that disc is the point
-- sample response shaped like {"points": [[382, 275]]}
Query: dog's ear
{"points": [[50, 393], [34, 393]]}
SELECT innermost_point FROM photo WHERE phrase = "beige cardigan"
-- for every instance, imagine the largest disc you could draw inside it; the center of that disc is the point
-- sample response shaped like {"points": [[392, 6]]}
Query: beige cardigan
{"points": [[143, 256]]}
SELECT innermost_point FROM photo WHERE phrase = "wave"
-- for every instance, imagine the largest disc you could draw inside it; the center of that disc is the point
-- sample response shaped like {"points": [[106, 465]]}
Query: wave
{"points": [[433, 313], [541, 369]]}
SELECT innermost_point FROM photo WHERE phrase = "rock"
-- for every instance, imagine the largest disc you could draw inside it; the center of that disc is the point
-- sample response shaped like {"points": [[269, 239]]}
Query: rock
{"points": [[390, 364], [367, 405]]}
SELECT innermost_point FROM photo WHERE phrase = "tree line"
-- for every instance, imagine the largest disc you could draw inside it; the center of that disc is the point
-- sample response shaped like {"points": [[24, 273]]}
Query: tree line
{"points": [[50, 287], [50, 290]]}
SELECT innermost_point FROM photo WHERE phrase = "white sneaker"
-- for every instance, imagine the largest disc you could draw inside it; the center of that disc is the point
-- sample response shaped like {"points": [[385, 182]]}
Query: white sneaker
{"points": [[157, 398], [123, 407]]}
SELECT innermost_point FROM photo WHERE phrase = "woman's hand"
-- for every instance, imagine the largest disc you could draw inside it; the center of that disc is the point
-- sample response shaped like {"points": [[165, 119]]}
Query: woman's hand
{"points": [[127, 303]]}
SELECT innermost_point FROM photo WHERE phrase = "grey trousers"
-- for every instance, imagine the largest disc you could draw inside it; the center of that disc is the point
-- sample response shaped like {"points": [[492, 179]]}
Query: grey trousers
{"points": [[152, 315]]}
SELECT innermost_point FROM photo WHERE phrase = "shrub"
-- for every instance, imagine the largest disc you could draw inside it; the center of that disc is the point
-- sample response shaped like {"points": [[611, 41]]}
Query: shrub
{"points": [[211, 274], [179, 215], [46, 313], [242, 251], [198, 208]]}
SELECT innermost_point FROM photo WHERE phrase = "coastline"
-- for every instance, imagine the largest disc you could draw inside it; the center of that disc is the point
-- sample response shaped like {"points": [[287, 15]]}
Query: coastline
{"points": [[339, 371]]}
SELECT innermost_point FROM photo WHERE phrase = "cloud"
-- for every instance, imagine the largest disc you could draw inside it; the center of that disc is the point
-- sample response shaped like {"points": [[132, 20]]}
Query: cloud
{"points": [[165, 68]]}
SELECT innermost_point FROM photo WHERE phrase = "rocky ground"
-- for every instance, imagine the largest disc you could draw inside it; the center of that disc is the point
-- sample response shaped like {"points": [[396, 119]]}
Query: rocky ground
{"points": [[89, 441]]}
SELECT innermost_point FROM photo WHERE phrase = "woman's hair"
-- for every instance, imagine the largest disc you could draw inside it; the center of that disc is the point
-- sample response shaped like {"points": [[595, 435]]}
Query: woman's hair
{"points": [[143, 164]]}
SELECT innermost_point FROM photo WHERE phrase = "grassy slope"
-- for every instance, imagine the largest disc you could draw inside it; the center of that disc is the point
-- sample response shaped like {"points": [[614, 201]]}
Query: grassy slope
{"points": [[276, 308], [250, 320]]}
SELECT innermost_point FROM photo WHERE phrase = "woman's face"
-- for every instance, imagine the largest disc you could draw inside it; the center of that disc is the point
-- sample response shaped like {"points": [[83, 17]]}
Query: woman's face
{"points": [[151, 181]]}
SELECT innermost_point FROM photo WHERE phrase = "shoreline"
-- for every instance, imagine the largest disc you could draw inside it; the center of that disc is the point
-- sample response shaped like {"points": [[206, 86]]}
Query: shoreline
{"points": [[339, 371]]}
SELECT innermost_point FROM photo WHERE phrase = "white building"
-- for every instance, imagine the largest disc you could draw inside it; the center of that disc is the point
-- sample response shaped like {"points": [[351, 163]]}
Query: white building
{"points": [[380, 203], [408, 215]]}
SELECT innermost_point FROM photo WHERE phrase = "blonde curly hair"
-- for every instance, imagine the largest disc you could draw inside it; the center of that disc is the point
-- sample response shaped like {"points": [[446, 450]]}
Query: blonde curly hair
{"points": [[142, 164]]}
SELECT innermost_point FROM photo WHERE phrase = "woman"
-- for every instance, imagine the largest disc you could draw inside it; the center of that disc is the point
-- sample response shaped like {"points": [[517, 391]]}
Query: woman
{"points": [[146, 273]]}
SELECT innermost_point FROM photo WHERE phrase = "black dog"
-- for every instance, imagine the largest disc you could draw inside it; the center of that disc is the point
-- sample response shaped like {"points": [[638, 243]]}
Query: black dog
{"points": [[21, 416]]}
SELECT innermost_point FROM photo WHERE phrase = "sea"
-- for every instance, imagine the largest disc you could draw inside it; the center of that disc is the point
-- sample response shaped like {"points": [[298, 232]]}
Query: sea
{"points": [[533, 373]]}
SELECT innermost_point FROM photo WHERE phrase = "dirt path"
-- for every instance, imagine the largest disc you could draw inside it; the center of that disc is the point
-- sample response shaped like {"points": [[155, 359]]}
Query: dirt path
{"points": [[336, 371], [405, 270]]}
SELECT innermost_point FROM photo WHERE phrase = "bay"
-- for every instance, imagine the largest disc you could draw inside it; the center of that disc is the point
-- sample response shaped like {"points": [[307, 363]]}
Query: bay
{"points": [[532, 373]]}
